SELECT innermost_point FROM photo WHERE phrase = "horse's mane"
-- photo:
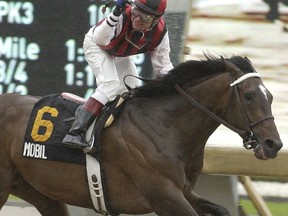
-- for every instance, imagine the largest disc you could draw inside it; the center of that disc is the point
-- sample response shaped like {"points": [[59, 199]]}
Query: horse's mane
{"points": [[190, 73]]}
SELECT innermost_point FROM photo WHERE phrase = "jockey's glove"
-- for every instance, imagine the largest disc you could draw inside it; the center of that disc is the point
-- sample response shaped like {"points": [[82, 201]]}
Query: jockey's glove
{"points": [[120, 7]]}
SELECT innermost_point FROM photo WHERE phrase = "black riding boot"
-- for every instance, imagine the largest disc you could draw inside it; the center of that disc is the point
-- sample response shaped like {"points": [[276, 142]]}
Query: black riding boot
{"points": [[75, 138]]}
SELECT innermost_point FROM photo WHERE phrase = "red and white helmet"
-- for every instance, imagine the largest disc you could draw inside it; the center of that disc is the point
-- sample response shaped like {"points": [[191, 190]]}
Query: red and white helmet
{"points": [[154, 7]]}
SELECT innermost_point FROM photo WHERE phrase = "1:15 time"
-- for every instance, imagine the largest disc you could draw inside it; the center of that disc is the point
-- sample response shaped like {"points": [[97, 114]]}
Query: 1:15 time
{"points": [[79, 78]]}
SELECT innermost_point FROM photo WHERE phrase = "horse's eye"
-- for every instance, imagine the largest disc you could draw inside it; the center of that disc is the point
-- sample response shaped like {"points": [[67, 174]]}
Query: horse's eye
{"points": [[248, 97]]}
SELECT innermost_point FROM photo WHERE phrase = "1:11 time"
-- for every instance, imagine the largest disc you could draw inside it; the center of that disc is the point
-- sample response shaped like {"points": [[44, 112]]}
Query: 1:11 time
{"points": [[75, 57]]}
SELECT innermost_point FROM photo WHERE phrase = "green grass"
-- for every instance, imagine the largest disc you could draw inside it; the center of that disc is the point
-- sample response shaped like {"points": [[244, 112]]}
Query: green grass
{"points": [[277, 209]]}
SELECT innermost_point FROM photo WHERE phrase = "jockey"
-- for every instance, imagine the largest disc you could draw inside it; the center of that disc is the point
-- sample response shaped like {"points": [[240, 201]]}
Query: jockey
{"points": [[108, 47]]}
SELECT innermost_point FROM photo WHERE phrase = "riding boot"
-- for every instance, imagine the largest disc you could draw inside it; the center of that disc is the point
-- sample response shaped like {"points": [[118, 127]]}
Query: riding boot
{"points": [[75, 138]]}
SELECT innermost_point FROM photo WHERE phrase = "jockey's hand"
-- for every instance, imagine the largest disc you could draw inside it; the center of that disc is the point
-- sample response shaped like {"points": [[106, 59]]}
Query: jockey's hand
{"points": [[120, 7]]}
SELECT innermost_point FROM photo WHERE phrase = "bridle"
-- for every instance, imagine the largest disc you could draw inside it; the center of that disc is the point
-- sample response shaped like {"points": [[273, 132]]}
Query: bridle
{"points": [[249, 140]]}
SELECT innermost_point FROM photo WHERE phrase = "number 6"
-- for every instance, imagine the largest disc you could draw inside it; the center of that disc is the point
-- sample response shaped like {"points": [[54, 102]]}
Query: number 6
{"points": [[40, 122]]}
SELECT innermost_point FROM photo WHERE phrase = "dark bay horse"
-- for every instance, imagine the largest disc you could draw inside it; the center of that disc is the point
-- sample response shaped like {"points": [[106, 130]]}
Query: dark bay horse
{"points": [[152, 154]]}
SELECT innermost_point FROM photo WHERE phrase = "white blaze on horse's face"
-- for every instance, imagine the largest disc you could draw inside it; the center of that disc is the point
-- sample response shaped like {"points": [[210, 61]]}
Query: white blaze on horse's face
{"points": [[264, 91]]}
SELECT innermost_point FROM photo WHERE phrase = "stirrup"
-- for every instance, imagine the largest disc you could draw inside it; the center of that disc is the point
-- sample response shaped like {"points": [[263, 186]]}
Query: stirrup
{"points": [[74, 142]]}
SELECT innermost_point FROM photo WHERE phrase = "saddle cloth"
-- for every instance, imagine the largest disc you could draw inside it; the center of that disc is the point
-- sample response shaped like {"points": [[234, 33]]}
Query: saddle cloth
{"points": [[50, 119]]}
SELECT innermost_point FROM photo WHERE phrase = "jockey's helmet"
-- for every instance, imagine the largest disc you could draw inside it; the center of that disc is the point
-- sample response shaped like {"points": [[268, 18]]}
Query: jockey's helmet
{"points": [[154, 7]]}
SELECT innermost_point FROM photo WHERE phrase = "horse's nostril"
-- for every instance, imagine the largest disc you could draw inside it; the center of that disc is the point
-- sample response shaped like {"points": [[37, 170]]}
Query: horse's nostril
{"points": [[270, 144], [273, 144]]}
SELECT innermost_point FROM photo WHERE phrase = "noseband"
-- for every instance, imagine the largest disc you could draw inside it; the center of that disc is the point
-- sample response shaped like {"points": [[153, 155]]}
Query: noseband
{"points": [[249, 140]]}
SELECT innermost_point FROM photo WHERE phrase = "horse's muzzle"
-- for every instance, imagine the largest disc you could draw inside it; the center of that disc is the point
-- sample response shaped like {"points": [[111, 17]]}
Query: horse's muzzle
{"points": [[268, 149]]}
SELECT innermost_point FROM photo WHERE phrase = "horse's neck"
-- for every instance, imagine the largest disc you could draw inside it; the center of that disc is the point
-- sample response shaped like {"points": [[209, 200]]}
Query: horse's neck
{"points": [[189, 127], [174, 121]]}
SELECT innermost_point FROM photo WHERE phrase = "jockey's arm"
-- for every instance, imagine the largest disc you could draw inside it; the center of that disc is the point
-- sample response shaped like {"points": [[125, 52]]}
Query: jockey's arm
{"points": [[160, 57], [108, 29]]}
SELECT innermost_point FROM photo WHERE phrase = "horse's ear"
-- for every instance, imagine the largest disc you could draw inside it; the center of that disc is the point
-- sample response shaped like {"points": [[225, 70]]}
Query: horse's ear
{"points": [[223, 60], [250, 62], [247, 59], [229, 66]]}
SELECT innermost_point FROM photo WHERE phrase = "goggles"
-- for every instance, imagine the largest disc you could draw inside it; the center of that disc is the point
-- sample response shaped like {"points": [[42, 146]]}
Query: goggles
{"points": [[145, 18]]}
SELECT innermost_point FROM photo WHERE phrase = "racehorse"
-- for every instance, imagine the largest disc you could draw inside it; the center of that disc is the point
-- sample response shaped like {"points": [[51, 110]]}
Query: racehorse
{"points": [[152, 153]]}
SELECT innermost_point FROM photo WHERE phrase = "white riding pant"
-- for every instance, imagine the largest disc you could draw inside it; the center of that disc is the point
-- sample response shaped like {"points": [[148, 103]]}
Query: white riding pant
{"points": [[109, 71]]}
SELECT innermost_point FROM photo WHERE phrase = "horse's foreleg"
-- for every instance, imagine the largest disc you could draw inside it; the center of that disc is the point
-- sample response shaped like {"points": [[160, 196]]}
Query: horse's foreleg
{"points": [[4, 193], [6, 177], [173, 206], [204, 207], [45, 205], [167, 200]]}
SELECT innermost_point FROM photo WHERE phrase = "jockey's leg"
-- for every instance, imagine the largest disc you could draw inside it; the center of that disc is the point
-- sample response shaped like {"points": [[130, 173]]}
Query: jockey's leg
{"points": [[86, 114], [108, 86], [126, 66]]}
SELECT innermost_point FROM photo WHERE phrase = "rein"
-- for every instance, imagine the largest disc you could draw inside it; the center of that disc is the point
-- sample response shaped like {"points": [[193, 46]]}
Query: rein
{"points": [[247, 135], [206, 111]]}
